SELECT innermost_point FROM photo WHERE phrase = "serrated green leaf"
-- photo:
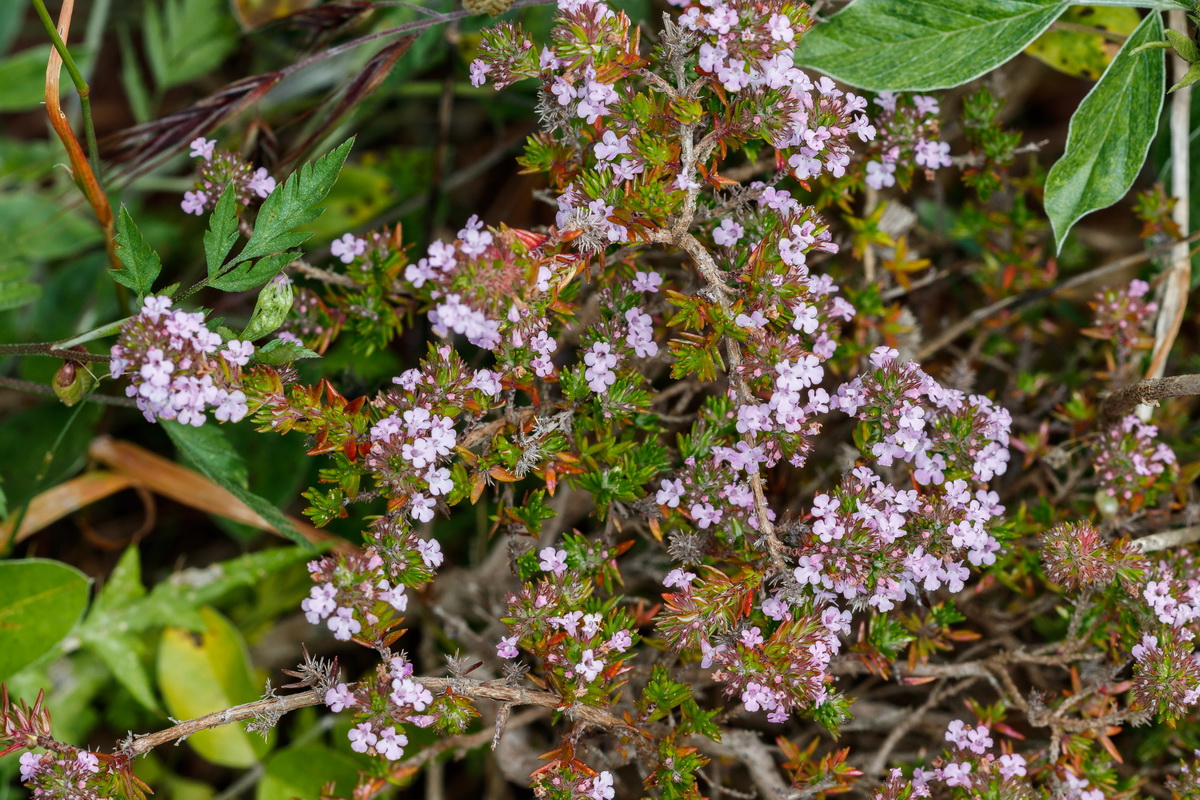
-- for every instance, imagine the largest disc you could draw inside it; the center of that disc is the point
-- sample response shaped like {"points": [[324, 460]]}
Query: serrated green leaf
{"points": [[40, 602], [293, 205], [142, 264], [210, 457], [921, 45], [212, 672], [222, 231], [247, 275], [1110, 133], [280, 351]]}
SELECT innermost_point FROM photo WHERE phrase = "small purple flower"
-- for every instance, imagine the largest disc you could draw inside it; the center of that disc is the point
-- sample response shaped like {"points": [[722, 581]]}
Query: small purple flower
{"points": [[202, 148], [391, 744], [507, 647], [31, 766], [344, 625], [261, 183], [348, 248], [362, 737], [339, 697], [553, 560], [193, 202], [431, 553]]}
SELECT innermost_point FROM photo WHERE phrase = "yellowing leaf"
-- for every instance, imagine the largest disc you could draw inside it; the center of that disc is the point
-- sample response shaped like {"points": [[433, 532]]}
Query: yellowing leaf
{"points": [[200, 674], [1071, 48]]}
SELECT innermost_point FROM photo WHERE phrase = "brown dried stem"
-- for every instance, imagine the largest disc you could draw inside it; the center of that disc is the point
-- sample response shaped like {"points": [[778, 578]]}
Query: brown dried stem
{"points": [[1123, 401]]}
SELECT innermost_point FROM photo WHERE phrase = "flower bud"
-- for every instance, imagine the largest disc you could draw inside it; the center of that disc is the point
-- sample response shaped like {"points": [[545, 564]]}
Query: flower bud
{"points": [[72, 382], [274, 303]]}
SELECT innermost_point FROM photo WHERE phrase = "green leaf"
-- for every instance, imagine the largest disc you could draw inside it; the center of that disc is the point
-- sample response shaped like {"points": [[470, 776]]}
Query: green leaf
{"points": [[211, 672], [1110, 134], [247, 275], [1190, 77], [222, 231], [15, 288], [123, 656], [207, 450], [293, 205], [303, 771], [23, 79], [188, 39], [212, 457], [1184, 46], [920, 45], [142, 264], [121, 652], [40, 602], [280, 351]]}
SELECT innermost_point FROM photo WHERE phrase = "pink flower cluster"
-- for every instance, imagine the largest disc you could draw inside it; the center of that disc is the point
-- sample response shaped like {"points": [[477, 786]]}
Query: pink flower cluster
{"points": [[73, 773], [380, 706], [218, 170], [908, 135], [1129, 461], [178, 368], [1122, 317]]}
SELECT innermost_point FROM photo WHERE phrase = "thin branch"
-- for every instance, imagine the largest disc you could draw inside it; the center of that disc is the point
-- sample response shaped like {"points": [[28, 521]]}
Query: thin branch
{"points": [[476, 690], [1146, 392], [1178, 276], [31, 387], [81, 86], [1165, 540]]}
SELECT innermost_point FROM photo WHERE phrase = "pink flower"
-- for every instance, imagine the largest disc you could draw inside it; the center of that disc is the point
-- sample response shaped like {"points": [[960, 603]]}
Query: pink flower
{"points": [[202, 148], [31, 765], [193, 202], [339, 697], [507, 647], [553, 560], [391, 744], [361, 737], [347, 248], [344, 625]]}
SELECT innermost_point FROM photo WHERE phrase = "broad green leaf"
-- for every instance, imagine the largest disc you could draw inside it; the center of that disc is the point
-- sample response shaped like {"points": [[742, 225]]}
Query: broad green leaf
{"points": [[248, 274], [1110, 133], [175, 600], [279, 351], [300, 772], [293, 205], [1079, 52], [210, 672], [142, 264], [213, 463], [920, 45], [222, 231], [124, 584], [121, 652], [16, 289], [23, 80], [123, 657], [40, 602]]}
